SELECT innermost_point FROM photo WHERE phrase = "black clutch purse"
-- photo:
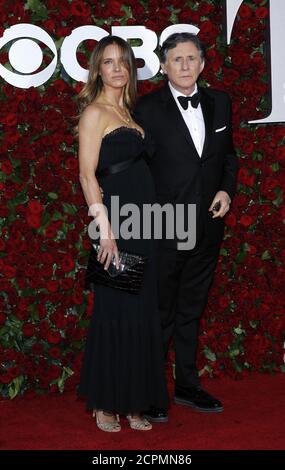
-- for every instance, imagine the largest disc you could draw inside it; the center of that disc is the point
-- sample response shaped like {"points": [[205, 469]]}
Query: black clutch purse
{"points": [[128, 277]]}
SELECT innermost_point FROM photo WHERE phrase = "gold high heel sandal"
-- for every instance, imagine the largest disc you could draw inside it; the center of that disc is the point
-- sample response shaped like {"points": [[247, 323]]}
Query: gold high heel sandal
{"points": [[139, 423], [111, 426]]}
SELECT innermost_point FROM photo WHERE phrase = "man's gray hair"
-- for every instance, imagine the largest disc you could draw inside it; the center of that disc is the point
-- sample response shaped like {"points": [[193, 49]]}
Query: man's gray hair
{"points": [[177, 38]]}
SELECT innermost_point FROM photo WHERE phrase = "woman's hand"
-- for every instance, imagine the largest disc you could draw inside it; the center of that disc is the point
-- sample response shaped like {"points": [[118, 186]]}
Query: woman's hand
{"points": [[108, 250]]}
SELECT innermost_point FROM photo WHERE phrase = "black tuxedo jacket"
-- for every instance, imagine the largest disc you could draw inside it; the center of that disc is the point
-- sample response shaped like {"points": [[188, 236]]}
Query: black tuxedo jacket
{"points": [[181, 176]]}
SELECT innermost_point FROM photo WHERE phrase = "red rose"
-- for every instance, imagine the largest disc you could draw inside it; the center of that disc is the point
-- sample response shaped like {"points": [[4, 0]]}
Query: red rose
{"points": [[54, 372], [207, 27], [65, 190], [54, 352], [223, 302], [189, 16], [245, 178], [64, 8], [7, 167], [9, 119], [261, 12], [33, 220], [280, 154], [77, 297], [50, 232], [52, 285], [35, 207], [205, 9], [241, 59], [59, 320], [113, 9], [71, 163], [49, 25], [9, 271], [230, 76], [245, 11], [67, 264], [67, 283], [246, 220], [231, 220], [53, 336], [43, 329], [28, 330]]}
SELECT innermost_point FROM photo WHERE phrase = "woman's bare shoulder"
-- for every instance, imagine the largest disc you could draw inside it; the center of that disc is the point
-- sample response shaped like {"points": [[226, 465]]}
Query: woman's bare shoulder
{"points": [[94, 115], [95, 110]]}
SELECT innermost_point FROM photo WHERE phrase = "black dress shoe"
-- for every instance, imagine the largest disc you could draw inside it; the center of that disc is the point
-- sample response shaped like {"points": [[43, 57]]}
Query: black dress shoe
{"points": [[198, 399], [156, 415]]}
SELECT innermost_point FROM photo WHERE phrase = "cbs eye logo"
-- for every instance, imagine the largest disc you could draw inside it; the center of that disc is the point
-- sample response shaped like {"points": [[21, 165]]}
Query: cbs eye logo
{"points": [[26, 56]]}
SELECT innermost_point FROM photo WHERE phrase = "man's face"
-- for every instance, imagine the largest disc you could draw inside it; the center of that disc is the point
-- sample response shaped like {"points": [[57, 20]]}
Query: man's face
{"points": [[183, 66]]}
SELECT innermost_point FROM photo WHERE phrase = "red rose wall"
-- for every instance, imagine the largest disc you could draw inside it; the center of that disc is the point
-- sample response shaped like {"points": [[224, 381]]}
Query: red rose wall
{"points": [[44, 241]]}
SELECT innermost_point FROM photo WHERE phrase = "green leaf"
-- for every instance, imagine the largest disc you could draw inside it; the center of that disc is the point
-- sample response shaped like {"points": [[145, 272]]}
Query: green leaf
{"points": [[14, 386], [223, 252], [257, 156], [70, 209], [57, 216], [279, 200], [16, 179], [238, 331], [174, 17], [15, 162], [206, 368], [265, 255], [34, 312], [245, 247], [4, 330], [67, 372], [275, 166], [52, 195], [235, 352], [241, 257], [210, 355], [39, 10]]}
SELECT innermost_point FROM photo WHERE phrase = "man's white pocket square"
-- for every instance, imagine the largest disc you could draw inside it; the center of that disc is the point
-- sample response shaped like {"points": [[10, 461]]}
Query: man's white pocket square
{"points": [[221, 129]]}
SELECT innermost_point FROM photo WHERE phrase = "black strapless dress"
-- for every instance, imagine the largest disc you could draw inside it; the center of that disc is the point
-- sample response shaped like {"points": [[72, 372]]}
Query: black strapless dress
{"points": [[123, 365]]}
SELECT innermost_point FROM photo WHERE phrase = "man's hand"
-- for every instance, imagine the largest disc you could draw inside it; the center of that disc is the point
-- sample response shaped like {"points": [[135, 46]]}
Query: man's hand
{"points": [[224, 200]]}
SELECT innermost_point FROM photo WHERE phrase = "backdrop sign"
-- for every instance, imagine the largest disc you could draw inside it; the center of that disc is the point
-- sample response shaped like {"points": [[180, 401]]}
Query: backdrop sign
{"points": [[277, 39], [25, 55]]}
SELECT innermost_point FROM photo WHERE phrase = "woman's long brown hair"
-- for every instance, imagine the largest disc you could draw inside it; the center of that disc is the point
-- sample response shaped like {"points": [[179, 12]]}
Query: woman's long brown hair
{"points": [[94, 84]]}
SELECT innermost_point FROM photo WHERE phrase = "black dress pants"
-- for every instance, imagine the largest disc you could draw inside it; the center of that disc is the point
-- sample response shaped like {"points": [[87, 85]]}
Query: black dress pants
{"points": [[184, 279]]}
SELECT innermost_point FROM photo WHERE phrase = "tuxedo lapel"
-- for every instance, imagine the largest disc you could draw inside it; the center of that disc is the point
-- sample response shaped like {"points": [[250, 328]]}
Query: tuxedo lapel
{"points": [[177, 122], [207, 106]]}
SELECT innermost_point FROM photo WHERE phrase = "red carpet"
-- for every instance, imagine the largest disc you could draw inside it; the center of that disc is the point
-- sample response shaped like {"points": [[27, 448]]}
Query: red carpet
{"points": [[254, 419]]}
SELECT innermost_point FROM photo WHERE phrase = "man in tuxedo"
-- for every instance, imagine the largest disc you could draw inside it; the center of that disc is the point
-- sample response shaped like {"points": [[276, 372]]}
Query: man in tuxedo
{"points": [[192, 162]]}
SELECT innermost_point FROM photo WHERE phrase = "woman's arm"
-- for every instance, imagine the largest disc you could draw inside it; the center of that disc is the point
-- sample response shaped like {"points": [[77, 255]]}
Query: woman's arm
{"points": [[91, 127]]}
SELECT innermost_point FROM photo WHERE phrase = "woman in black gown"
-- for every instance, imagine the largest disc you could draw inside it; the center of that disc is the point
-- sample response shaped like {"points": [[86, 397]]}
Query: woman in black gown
{"points": [[123, 366]]}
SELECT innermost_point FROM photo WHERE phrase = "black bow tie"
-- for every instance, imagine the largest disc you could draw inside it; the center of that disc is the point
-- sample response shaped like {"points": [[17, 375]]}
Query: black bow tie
{"points": [[184, 100]]}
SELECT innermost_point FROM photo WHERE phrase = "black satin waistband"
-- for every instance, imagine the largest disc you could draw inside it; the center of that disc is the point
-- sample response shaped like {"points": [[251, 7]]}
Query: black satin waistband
{"points": [[117, 167]]}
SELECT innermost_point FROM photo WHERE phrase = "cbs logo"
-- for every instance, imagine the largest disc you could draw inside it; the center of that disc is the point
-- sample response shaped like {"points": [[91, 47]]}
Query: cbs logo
{"points": [[26, 56]]}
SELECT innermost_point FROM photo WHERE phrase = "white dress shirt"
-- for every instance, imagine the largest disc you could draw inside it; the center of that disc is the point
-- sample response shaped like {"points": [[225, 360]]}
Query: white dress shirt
{"points": [[193, 118]]}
